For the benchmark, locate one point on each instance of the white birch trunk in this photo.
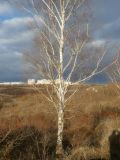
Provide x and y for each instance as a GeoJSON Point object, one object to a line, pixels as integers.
{"type": "Point", "coordinates": [59, 148]}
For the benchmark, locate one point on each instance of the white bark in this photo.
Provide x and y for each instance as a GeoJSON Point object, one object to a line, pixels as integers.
{"type": "Point", "coordinates": [59, 148]}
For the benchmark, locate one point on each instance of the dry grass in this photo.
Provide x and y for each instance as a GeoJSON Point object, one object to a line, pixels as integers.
{"type": "Point", "coordinates": [90, 117]}
{"type": "Point", "coordinates": [87, 153]}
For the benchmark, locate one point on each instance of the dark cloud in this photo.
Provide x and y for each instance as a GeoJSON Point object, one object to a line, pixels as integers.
{"type": "Point", "coordinates": [110, 30]}
{"type": "Point", "coordinates": [107, 15]}
{"type": "Point", "coordinates": [106, 11]}
{"type": "Point", "coordinates": [15, 36]}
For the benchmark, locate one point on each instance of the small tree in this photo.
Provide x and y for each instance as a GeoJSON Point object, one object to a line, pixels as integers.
{"type": "Point", "coordinates": [63, 51]}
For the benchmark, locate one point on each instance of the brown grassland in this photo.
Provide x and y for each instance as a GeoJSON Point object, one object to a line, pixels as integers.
{"type": "Point", "coordinates": [28, 123]}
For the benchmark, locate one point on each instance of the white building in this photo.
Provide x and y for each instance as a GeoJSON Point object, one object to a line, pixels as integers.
{"type": "Point", "coordinates": [43, 81]}
{"type": "Point", "coordinates": [57, 81]}
{"type": "Point", "coordinates": [5, 83]}
{"type": "Point", "coordinates": [12, 83]}
{"type": "Point", "coordinates": [31, 81]}
{"type": "Point", "coordinates": [16, 83]}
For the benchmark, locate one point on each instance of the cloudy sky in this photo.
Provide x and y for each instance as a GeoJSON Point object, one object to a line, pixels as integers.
{"type": "Point", "coordinates": [15, 36]}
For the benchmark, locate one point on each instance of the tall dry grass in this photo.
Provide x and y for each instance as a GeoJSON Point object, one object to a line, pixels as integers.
{"type": "Point", "coordinates": [90, 118]}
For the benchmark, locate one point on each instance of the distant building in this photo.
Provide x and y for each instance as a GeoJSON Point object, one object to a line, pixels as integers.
{"type": "Point", "coordinates": [12, 83]}
{"type": "Point", "coordinates": [16, 83]}
{"type": "Point", "coordinates": [43, 81]}
{"type": "Point", "coordinates": [57, 81]}
{"type": "Point", "coordinates": [31, 81]}
{"type": "Point", "coordinates": [5, 83]}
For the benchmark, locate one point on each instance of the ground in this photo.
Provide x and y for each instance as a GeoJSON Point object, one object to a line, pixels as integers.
{"type": "Point", "coordinates": [28, 119]}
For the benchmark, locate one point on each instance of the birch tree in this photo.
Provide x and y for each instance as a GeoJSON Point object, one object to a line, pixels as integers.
{"type": "Point", "coordinates": [62, 51]}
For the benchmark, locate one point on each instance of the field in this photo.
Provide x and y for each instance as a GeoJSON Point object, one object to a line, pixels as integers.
{"type": "Point", "coordinates": [28, 126]}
